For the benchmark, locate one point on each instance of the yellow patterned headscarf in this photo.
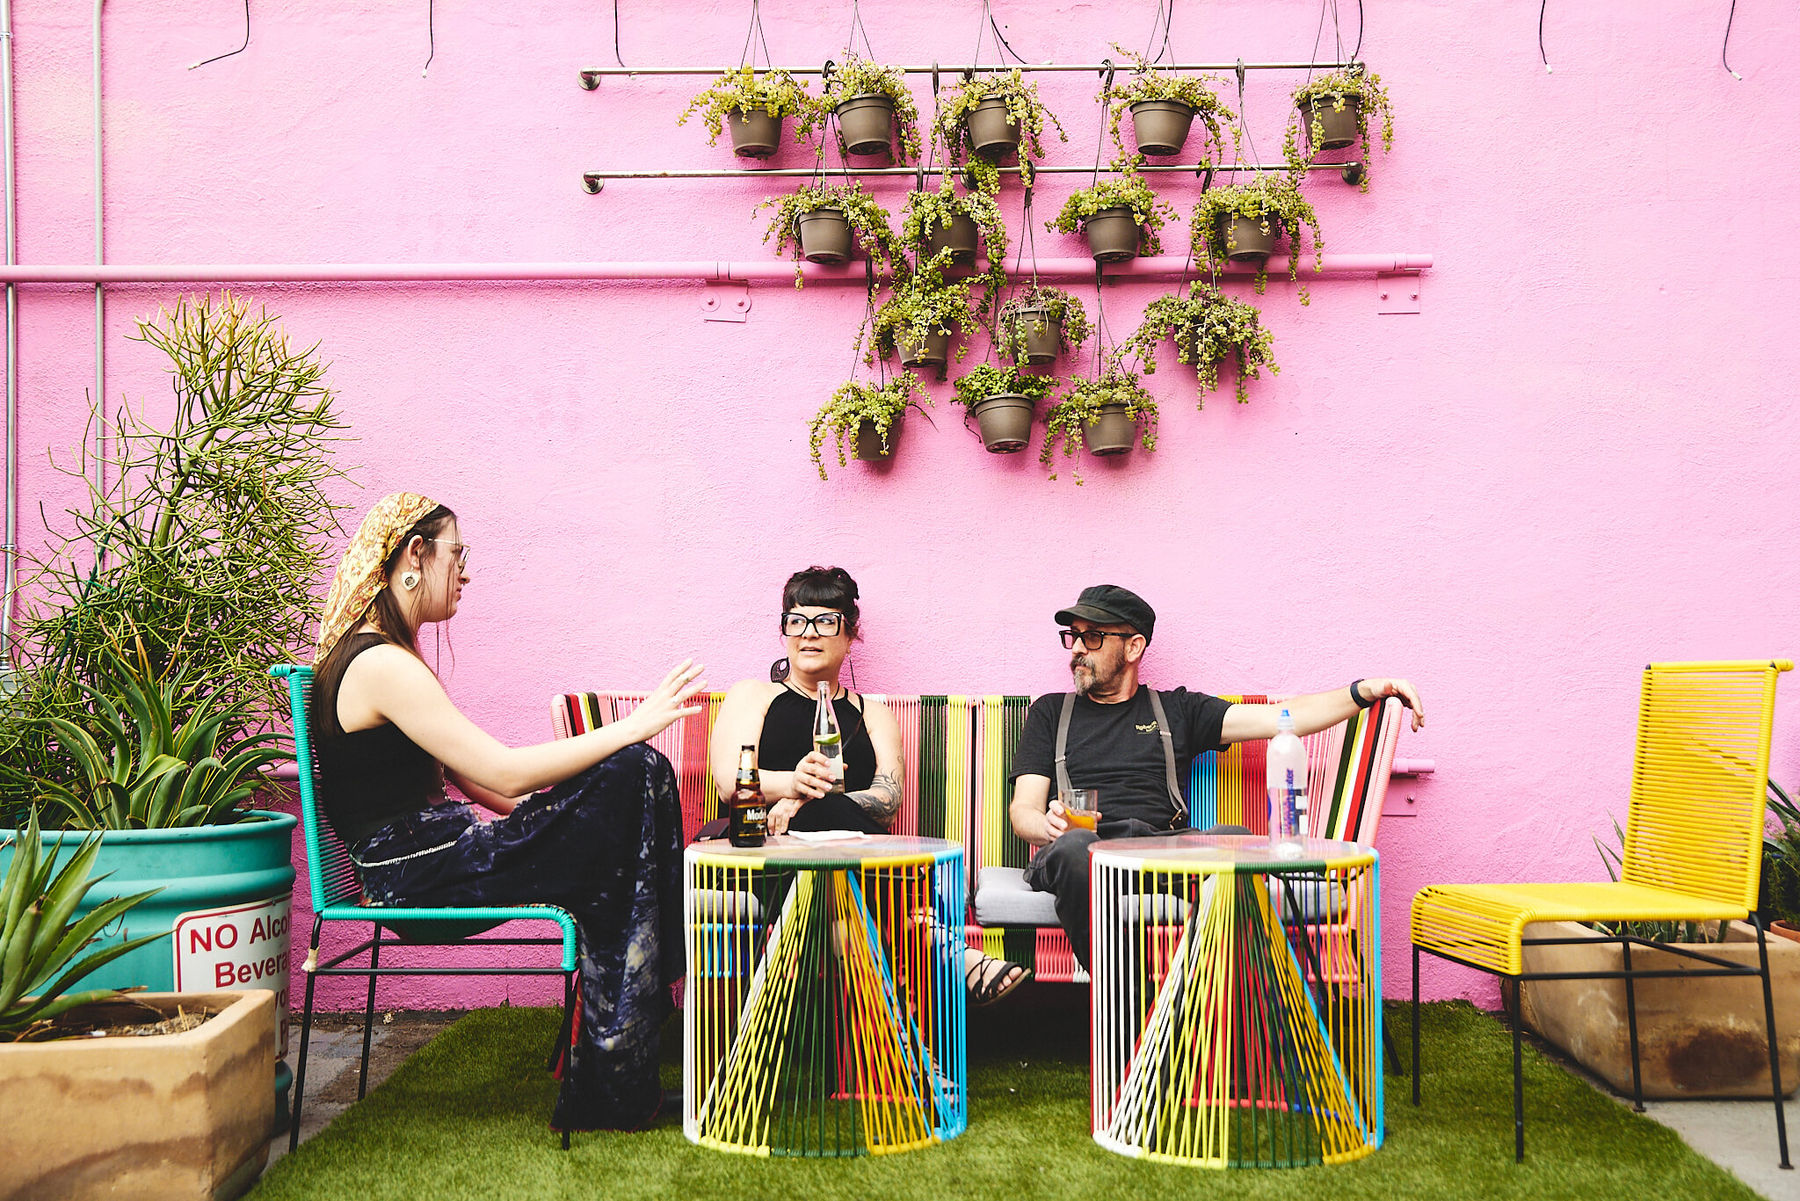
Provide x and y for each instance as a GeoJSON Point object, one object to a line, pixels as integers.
{"type": "Point", "coordinates": [359, 576]}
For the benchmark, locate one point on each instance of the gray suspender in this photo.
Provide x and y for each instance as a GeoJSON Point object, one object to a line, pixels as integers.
{"type": "Point", "coordinates": [1162, 728]}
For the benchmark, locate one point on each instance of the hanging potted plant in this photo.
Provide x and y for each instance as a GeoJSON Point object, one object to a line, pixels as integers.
{"type": "Point", "coordinates": [1040, 323]}
{"type": "Point", "coordinates": [820, 221]}
{"type": "Point", "coordinates": [1003, 401]}
{"type": "Point", "coordinates": [1244, 223]}
{"type": "Point", "coordinates": [920, 317]}
{"type": "Point", "coordinates": [1163, 108]}
{"type": "Point", "coordinates": [866, 417]}
{"type": "Point", "coordinates": [992, 116]}
{"type": "Point", "coordinates": [944, 229]}
{"type": "Point", "coordinates": [753, 104]}
{"type": "Point", "coordinates": [1119, 214]}
{"type": "Point", "coordinates": [873, 106]}
{"type": "Point", "coordinates": [1107, 415]}
{"type": "Point", "coordinates": [1333, 112]}
{"type": "Point", "coordinates": [1206, 326]}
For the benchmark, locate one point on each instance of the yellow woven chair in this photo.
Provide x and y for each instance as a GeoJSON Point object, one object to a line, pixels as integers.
{"type": "Point", "coordinates": [1693, 850]}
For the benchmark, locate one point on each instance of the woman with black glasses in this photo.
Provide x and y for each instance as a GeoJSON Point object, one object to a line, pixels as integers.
{"type": "Point", "coordinates": [819, 621]}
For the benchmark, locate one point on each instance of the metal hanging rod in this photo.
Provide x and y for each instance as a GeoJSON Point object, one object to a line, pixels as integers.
{"type": "Point", "coordinates": [591, 76]}
{"type": "Point", "coordinates": [593, 181]}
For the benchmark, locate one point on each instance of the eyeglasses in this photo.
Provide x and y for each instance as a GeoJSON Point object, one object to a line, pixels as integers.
{"type": "Point", "coordinates": [460, 548]}
{"type": "Point", "coordinates": [825, 625]}
{"type": "Point", "coordinates": [1092, 639]}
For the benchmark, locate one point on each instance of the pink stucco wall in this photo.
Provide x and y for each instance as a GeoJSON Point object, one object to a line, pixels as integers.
{"type": "Point", "coordinates": [1575, 458]}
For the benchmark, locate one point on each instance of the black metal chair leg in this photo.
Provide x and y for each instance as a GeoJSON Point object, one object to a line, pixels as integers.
{"type": "Point", "coordinates": [305, 1034]}
{"type": "Point", "coordinates": [362, 1082]}
{"type": "Point", "coordinates": [1762, 953]}
{"type": "Point", "coordinates": [1513, 1008]}
{"type": "Point", "coordinates": [570, 1034]}
{"type": "Point", "coordinates": [1415, 1025]}
{"type": "Point", "coordinates": [1637, 1080]}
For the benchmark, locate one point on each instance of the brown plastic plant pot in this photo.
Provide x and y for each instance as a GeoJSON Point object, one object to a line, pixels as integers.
{"type": "Point", "coordinates": [1161, 125]}
{"type": "Point", "coordinates": [1005, 419]}
{"type": "Point", "coordinates": [754, 134]}
{"type": "Point", "coordinates": [868, 442]}
{"type": "Point", "coordinates": [1252, 244]}
{"type": "Point", "coordinates": [824, 236]}
{"type": "Point", "coordinates": [1339, 125]}
{"type": "Point", "coordinates": [1112, 235]}
{"type": "Point", "coordinates": [1041, 333]}
{"type": "Point", "coordinates": [934, 351]}
{"type": "Point", "coordinates": [1113, 432]}
{"type": "Point", "coordinates": [992, 131]}
{"type": "Point", "coordinates": [961, 237]}
{"type": "Point", "coordinates": [866, 124]}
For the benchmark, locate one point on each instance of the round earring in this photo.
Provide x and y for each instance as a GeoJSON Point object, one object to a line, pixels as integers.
{"type": "Point", "coordinates": [410, 580]}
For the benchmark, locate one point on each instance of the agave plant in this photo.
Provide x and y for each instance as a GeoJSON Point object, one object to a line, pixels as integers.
{"type": "Point", "coordinates": [40, 947]}
{"type": "Point", "coordinates": [155, 751]}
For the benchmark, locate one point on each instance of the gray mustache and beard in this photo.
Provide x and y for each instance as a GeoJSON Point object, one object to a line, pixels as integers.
{"type": "Point", "coordinates": [1083, 683]}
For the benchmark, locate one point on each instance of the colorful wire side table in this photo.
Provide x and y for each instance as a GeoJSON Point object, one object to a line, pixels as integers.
{"type": "Point", "coordinates": [1236, 1001]}
{"type": "Point", "coordinates": [825, 1003]}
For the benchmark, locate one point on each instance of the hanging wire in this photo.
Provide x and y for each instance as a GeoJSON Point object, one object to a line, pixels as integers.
{"type": "Point", "coordinates": [1165, 17]}
{"type": "Point", "coordinates": [752, 35]}
{"type": "Point", "coordinates": [1000, 37]}
{"type": "Point", "coordinates": [1356, 54]}
{"type": "Point", "coordinates": [616, 57]}
{"type": "Point", "coordinates": [431, 35]}
{"type": "Point", "coordinates": [215, 58]}
{"type": "Point", "coordinates": [1545, 57]}
{"type": "Point", "coordinates": [1106, 83]}
{"type": "Point", "coordinates": [1727, 45]}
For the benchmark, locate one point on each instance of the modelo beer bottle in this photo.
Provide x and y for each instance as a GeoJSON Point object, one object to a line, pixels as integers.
{"type": "Point", "coordinates": [749, 824]}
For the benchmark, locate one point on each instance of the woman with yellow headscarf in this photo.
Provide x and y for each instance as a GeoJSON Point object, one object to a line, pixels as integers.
{"type": "Point", "coordinates": [590, 823]}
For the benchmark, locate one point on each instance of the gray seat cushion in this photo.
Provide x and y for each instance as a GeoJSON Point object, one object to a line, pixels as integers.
{"type": "Point", "coordinates": [715, 905]}
{"type": "Point", "coordinates": [1002, 898]}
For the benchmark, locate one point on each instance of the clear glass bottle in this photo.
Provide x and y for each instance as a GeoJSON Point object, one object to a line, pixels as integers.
{"type": "Point", "coordinates": [828, 740]}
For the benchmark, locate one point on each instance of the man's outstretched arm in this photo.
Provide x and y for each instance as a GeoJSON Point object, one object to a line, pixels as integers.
{"type": "Point", "coordinates": [1316, 711]}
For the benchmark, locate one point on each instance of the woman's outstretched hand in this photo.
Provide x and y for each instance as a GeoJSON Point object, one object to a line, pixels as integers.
{"type": "Point", "coordinates": [668, 701]}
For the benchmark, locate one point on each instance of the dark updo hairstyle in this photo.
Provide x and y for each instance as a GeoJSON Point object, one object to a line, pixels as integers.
{"type": "Point", "coordinates": [820, 588]}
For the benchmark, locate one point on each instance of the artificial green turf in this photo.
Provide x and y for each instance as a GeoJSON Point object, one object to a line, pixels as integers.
{"type": "Point", "coordinates": [465, 1118]}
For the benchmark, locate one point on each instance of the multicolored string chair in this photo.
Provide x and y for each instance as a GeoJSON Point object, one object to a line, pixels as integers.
{"type": "Point", "coordinates": [1693, 852]}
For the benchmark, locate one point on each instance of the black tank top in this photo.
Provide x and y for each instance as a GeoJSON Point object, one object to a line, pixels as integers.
{"type": "Point", "coordinates": [368, 778]}
{"type": "Point", "coordinates": [787, 737]}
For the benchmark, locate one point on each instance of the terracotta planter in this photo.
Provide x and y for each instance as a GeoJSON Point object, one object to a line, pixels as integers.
{"type": "Point", "coordinates": [1112, 235]}
{"type": "Point", "coordinates": [866, 124]}
{"type": "Point", "coordinates": [992, 131]}
{"type": "Point", "coordinates": [1005, 419]}
{"type": "Point", "coordinates": [868, 442]}
{"type": "Point", "coordinates": [1339, 125]}
{"type": "Point", "coordinates": [155, 1118]}
{"type": "Point", "coordinates": [1161, 125]}
{"type": "Point", "coordinates": [934, 351]}
{"type": "Point", "coordinates": [824, 236]}
{"type": "Point", "coordinates": [1041, 334]}
{"type": "Point", "coordinates": [1785, 929]}
{"type": "Point", "coordinates": [1113, 432]}
{"type": "Point", "coordinates": [961, 237]}
{"type": "Point", "coordinates": [1697, 1036]}
{"type": "Point", "coordinates": [1252, 244]}
{"type": "Point", "coordinates": [754, 134]}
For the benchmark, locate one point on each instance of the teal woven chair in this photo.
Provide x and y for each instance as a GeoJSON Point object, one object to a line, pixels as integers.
{"type": "Point", "coordinates": [337, 897]}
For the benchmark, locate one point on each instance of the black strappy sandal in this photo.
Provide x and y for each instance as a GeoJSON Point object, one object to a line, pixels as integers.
{"type": "Point", "coordinates": [985, 988]}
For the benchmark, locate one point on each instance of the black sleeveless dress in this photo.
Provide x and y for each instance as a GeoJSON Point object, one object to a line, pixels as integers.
{"type": "Point", "coordinates": [787, 738]}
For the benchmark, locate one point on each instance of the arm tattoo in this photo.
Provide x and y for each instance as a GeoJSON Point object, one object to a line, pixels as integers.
{"type": "Point", "coordinates": [881, 799]}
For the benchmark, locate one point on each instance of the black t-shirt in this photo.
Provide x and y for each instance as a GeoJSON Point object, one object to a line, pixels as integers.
{"type": "Point", "coordinates": [1118, 749]}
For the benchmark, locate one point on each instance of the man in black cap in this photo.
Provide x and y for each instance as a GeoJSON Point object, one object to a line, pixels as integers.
{"type": "Point", "coordinates": [1133, 744]}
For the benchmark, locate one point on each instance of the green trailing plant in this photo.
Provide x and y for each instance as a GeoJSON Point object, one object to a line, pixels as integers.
{"type": "Point", "coordinates": [1613, 856]}
{"type": "Point", "coordinates": [1023, 105]}
{"type": "Point", "coordinates": [1127, 190]}
{"type": "Point", "coordinates": [1070, 315]}
{"type": "Point", "coordinates": [41, 940]}
{"type": "Point", "coordinates": [930, 212]}
{"type": "Point", "coordinates": [1066, 424]}
{"type": "Point", "coordinates": [1355, 87]}
{"type": "Point", "coordinates": [857, 76]}
{"type": "Point", "coordinates": [1206, 327]}
{"type": "Point", "coordinates": [1780, 892]}
{"type": "Point", "coordinates": [869, 223]}
{"type": "Point", "coordinates": [155, 752]}
{"type": "Point", "coordinates": [920, 305]}
{"type": "Point", "coordinates": [208, 536]}
{"type": "Point", "coordinates": [987, 380]}
{"type": "Point", "coordinates": [1274, 203]}
{"type": "Point", "coordinates": [1147, 83]}
{"type": "Point", "coordinates": [745, 90]}
{"type": "Point", "coordinates": [857, 402]}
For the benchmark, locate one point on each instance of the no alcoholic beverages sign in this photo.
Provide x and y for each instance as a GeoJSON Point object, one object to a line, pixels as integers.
{"type": "Point", "coordinates": [237, 947]}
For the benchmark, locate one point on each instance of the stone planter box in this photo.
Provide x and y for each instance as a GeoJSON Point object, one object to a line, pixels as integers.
{"type": "Point", "coordinates": [1698, 1037]}
{"type": "Point", "coordinates": [164, 1117]}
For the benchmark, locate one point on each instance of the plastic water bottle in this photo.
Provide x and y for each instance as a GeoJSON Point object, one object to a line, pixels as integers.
{"type": "Point", "coordinates": [1287, 789]}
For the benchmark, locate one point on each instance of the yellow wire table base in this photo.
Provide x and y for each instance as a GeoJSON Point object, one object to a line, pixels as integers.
{"type": "Point", "coordinates": [1236, 1001]}
{"type": "Point", "coordinates": [825, 1002]}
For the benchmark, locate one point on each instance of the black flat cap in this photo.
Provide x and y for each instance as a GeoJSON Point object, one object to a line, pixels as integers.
{"type": "Point", "coordinates": [1109, 604]}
